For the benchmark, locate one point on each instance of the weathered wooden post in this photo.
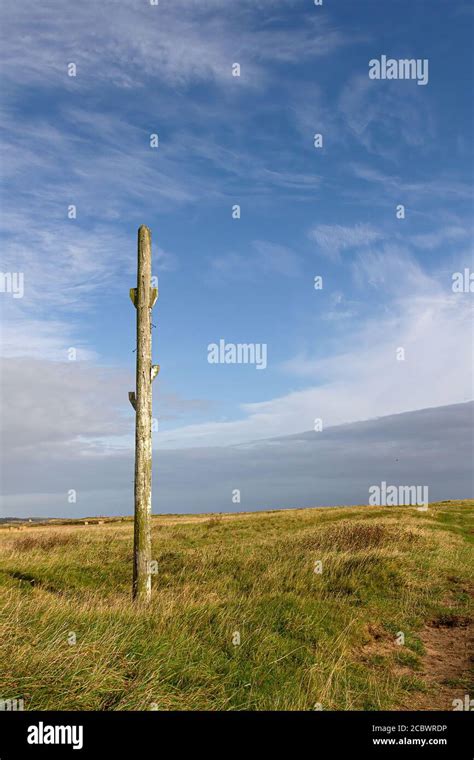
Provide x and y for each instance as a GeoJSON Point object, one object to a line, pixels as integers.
{"type": "Point", "coordinates": [143, 298]}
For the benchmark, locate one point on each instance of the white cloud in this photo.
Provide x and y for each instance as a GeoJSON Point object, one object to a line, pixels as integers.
{"type": "Point", "coordinates": [176, 43]}
{"type": "Point", "coordinates": [51, 407]}
{"type": "Point", "coordinates": [362, 378]}
{"type": "Point", "coordinates": [266, 257]}
{"type": "Point", "coordinates": [431, 240]}
{"type": "Point", "coordinates": [336, 466]}
{"type": "Point", "coordinates": [21, 336]}
{"type": "Point", "coordinates": [443, 187]}
{"type": "Point", "coordinates": [382, 117]}
{"type": "Point", "coordinates": [332, 240]}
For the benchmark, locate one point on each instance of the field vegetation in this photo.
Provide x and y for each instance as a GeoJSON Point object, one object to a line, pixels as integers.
{"type": "Point", "coordinates": [354, 608]}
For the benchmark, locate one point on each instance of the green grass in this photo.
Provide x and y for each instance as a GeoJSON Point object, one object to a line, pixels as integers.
{"type": "Point", "coordinates": [306, 638]}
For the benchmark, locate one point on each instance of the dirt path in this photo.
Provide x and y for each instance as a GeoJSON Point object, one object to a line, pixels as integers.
{"type": "Point", "coordinates": [447, 664]}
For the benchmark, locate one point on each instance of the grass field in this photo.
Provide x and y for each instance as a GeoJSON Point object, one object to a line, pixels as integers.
{"type": "Point", "coordinates": [308, 640]}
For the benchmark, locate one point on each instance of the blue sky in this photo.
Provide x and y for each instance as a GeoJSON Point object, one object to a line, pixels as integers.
{"type": "Point", "coordinates": [305, 211]}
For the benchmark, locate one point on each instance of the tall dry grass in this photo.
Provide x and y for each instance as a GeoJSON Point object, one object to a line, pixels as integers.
{"type": "Point", "coordinates": [71, 639]}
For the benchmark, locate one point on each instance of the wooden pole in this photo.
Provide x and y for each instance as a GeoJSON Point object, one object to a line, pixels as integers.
{"type": "Point", "coordinates": [143, 298]}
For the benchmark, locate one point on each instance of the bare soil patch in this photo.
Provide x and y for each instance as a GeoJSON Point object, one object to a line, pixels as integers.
{"type": "Point", "coordinates": [447, 663]}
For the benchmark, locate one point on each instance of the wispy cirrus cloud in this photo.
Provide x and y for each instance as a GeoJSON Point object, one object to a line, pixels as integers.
{"type": "Point", "coordinates": [84, 140]}
{"type": "Point", "coordinates": [441, 187]}
{"type": "Point", "coordinates": [265, 258]}
{"type": "Point", "coordinates": [176, 44]}
{"type": "Point", "coordinates": [384, 118]}
{"type": "Point", "coordinates": [434, 239]}
{"type": "Point", "coordinates": [334, 239]}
